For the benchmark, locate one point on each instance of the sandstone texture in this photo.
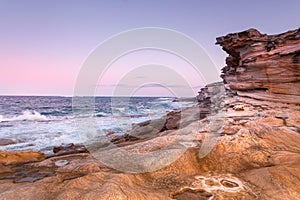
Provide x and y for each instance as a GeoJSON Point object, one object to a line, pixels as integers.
{"type": "Point", "coordinates": [240, 142]}
{"type": "Point", "coordinates": [263, 66]}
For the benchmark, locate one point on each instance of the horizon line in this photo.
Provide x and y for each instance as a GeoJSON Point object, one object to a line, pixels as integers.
{"type": "Point", "coordinates": [70, 96]}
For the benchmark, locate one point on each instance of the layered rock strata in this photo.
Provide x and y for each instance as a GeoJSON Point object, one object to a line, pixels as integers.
{"type": "Point", "coordinates": [263, 66]}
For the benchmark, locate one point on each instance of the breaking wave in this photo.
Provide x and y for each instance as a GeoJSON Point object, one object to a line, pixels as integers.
{"type": "Point", "coordinates": [26, 115]}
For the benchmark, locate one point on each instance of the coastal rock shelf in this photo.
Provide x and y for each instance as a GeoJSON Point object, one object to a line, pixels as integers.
{"type": "Point", "coordinates": [253, 123]}
{"type": "Point", "coordinates": [263, 66]}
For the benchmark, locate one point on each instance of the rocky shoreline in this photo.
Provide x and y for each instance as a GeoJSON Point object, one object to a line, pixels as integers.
{"type": "Point", "coordinates": [256, 154]}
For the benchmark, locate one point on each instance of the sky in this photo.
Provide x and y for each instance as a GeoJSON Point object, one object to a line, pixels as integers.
{"type": "Point", "coordinates": [44, 44]}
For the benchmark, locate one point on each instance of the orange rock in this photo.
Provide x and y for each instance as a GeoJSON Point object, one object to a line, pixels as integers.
{"type": "Point", "coordinates": [5, 170]}
{"type": "Point", "coordinates": [8, 158]}
{"type": "Point", "coordinates": [263, 66]}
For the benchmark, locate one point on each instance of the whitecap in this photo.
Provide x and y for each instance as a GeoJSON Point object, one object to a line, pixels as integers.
{"type": "Point", "coordinates": [26, 115]}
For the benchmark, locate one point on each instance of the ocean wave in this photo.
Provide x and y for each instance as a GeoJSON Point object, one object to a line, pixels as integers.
{"type": "Point", "coordinates": [165, 98]}
{"type": "Point", "coordinates": [26, 115]}
{"type": "Point", "coordinates": [101, 114]}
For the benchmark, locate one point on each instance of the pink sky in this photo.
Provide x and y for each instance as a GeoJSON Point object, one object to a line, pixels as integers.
{"type": "Point", "coordinates": [37, 76]}
{"type": "Point", "coordinates": [44, 43]}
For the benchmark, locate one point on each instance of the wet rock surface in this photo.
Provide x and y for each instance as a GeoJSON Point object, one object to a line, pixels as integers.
{"type": "Point", "coordinates": [69, 149]}
{"type": "Point", "coordinates": [240, 144]}
{"type": "Point", "coordinates": [4, 142]}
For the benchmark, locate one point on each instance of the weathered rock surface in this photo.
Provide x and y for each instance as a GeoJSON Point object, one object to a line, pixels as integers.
{"type": "Point", "coordinates": [263, 151]}
{"type": "Point", "coordinates": [241, 144]}
{"type": "Point", "coordinates": [8, 158]}
{"type": "Point", "coordinates": [267, 67]}
{"type": "Point", "coordinates": [4, 142]}
{"type": "Point", "coordinates": [69, 149]}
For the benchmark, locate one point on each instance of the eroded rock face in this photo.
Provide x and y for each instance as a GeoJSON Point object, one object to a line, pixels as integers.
{"type": "Point", "coordinates": [263, 66]}
{"type": "Point", "coordinates": [260, 148]}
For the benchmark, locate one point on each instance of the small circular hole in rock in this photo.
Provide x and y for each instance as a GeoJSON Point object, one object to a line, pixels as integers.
{"type": "Point", "coordinates": [229, 184]}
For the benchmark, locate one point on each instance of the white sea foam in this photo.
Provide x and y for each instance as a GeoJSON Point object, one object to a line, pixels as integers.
{"type": "Point", "coordinates": [165, 98]}
{"type": "Point", "coordinates": [26, 115]}
{"type": "Point", "coordinates": [65, 127]}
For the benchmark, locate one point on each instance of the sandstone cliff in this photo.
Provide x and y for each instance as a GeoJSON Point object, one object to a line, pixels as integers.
{"type": "Point", "coordinates": [263, 66]}
{"type": "Point", "coordinates": [255, 127]}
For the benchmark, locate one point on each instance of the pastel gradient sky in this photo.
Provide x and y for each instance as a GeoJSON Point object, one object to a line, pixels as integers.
{"type": "Point", "coordinates": [44, 43]}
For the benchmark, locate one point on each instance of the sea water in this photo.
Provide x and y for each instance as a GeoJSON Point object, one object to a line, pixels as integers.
{"type": "Point", "coordinates": [39, 123]}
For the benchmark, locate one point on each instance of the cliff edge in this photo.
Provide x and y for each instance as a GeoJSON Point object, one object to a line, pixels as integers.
{"type": "Point", "coordinates": [265, 67]}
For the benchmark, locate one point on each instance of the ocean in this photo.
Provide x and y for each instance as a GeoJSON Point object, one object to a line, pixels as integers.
{"type": "Point", "coordinates": [39, 123]}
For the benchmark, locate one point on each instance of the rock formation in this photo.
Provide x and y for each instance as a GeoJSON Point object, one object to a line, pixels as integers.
{"type": "Point", "coordinates": [263, 66]}
{"type": "Point", "coordinates": [255, 126]}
